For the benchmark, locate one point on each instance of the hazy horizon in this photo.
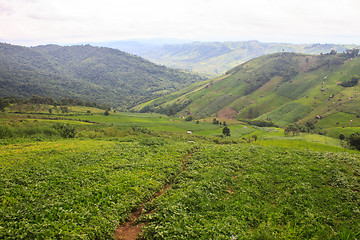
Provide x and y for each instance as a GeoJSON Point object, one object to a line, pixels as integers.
{"type": "Point", "coordinates": [37, 22]}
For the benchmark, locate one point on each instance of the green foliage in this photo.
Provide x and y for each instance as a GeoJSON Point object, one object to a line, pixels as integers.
{"type": "Point", "coordinates": [85, 187]}
{"type": "Point", "coordinates": [154, 141]}
{"type": "Point", "coordinates": [65, 130]}
{"type": "Point", "coordinates": [26, 130]}
{"type": "Point", "coordinates": [5, 132]}
{"type": "Point", "coordinates": [341, 136]}
{"type": "Point", "coordinates": [283, 88]}
{"type": "Point", "coordinates": [215, 121]}
{"type": "Point", "coordinates": [251, 192]}
{"type": "Point", "coordinates": [226, 131]}
{"type": "Point", "coordinates": [351, 83]}
{"type": "Point", "coordinates": [293, 129]}
{"type": "Point", "coordinates": [3, 104]}
{"type": "Point", "coordinates": [79, 189]}
{"type": "Point", "coordinates": [105, 75]}
{"type": "Point", "coordinates": [189, 118]}
{"type": "Point", "coordinates": [354, 140]}
{"type": "Point", "coordinates": [259, 122]}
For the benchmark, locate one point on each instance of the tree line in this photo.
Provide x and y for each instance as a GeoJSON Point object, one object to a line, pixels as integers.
{"type": "Point", "coordinates": [37, 100]}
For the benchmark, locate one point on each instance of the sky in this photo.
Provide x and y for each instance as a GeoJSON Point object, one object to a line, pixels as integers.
{"type": "Point", "coordinates": [36, 22]}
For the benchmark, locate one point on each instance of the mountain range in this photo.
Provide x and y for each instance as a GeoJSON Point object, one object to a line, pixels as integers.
{"type": "Point", "coordinates": [86, 72]}
{"type": "Point", "coordinates": [215, 58]}
{"type": "Point", "coordinates": [282, 88]}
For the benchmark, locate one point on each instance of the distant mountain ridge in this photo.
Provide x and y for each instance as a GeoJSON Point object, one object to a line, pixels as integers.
{"type": "Point", "coordinates": [215, 58]}
{"type": "Point", "coordinates": [90, 73]}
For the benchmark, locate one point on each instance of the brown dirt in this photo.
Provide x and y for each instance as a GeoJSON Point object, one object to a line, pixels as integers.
{"type": "Point", "coordinates": [227, 113]}
{"type": "Point", "coordinates": [129, 230]}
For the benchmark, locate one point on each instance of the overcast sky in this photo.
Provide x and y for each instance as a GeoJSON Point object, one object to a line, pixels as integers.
{"type": "Point", "coordinates": [34, 22]}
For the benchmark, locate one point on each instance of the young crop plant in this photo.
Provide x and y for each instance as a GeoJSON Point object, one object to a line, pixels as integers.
{"type": "Point", "coordinates": [80, 189]}
{"type": "Point", "coordinates": [253, 192]}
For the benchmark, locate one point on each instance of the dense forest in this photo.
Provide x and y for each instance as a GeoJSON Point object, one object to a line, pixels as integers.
{"type": "Point", "coordinates": [104, 75]}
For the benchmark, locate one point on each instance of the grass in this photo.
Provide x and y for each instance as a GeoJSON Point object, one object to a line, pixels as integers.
{"type": "Point", "coordinates": [300, 187]}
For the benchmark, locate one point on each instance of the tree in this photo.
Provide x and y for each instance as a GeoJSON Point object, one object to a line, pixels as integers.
{"type": "Point", "coordinates": [189, 118]}
{"type": "Point", "coordinates": [215, 121]}
{"type": "Point", "coordinates": [65, 130]}
{"type": "Point", "coordinates": [352, 52]}
{"type": "Point", "coordinates": [226, 131]}
{"type": "Point", "coordinates": [64, 109]}
{"type": "Point", "coordinates": [106, 113]}
{"type": "Point", "coordinates": [354, 140]}
{"type": "Point", "coordinates": [292, 128]}
{"type": "Point", "coordinates": [3, 105]}
{"type": "Point", "coordinates": [341, 136]}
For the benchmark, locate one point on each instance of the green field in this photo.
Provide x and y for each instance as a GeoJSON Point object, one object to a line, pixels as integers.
{"type": "Point", "coordinates": [256, 184]}
{"type": "Point", "coordinates": [252, 192]}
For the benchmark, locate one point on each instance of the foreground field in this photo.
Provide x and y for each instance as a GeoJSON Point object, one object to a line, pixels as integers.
{"type": "Point", "coordinates": [252, 192]}
{"type": "Point", "coordinates": [80, 189]}
{"type": "Point", "coordinates": [238, 187]}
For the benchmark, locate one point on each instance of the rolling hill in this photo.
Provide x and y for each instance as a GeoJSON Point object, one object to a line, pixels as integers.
{"type": "Point", "coordinates": [104, 75]}
{"type": "Point", "coordinates": [283, 88]}
{"type": "Point", "coordinates": [214, 58]}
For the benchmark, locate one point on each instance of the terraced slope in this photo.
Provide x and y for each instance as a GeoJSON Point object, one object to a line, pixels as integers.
{"type": "Point", "coordinates": [282, 87]}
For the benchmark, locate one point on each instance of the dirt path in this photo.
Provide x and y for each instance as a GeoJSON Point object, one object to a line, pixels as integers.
{"type": "Point", "coordinates": [129, 230]}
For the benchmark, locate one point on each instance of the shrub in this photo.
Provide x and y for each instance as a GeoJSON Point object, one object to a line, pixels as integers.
{"type": "Point", "coordinates": [5, 132]}
{"type": "Point", "coordinates": [152, 142]}
{"type": "Point", "coordinates": [226, 131]}
{"type": "Point", "coordinates": [341, 136]}
{"type": "Point", "coordinates": [259, 123]}
{"type": "Point", "coordinates": [189, 118]}
{"type": "Point", "coordinates": [351, 83]}
{"type": "Point", "coordinates": [354, 140]}
{"type": "Point", "coordinates": [65, 130]}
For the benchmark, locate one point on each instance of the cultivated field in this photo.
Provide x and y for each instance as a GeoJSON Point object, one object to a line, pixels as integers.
{"type": "Point", "coordinates": [82, 175]}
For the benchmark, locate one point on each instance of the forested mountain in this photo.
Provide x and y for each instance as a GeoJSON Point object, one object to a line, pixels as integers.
{"type": "Point", "coordinates": [282, 87]}
{"type": "Point", "coordinates": [215, 58]}
{"type": "Point", "coordinates": [89, 73]}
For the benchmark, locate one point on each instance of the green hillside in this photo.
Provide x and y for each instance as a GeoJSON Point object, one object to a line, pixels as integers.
{"type": "Point", "coordinates": [214, 58]}
{"type": "Point", "coordinates": [283, 88]}
{"type": "Point", "coordinates": [90, 73]}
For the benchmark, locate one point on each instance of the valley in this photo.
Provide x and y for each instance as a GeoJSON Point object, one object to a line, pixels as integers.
{"type": "Point", "coordinates": [94, 141]}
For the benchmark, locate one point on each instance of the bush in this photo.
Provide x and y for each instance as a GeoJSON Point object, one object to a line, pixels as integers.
{"type": "Point", "coordinates": [152, 142]}
{"type": "Point", "coordinates": [189, 118]}
{"type": "Point", "coordinates": [351, 83]}
{"type": "Point", "coordinates": [65, 130]}
{"type": "Point", "coordinates": [259, 123]}
{"type": "Point", "coordinates": [354, 141]}
{"type": "Point", "coordinates": [226, 131]}
{"type": "Point", "coordinates": [5, 132]}
{"type": "Point", "coordinates": [341, 136]}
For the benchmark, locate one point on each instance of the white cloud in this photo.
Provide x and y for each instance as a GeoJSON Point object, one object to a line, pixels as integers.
{"type": "Point", "coordinates": [69, 21]}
